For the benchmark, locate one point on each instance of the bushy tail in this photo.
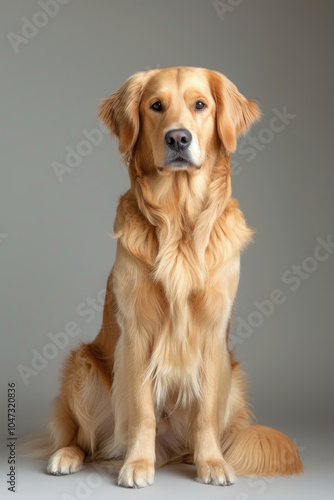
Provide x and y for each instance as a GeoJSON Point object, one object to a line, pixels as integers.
{"type": "Point", "coordinates": [262, 451]}
{"type": "Point", "coordinates": [36, 445]}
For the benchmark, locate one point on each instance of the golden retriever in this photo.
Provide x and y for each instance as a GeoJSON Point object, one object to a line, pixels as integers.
{"type": "Point", "coordinates": [158, 384]}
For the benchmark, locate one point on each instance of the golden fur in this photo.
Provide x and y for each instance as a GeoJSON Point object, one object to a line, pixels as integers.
{"type": "Point", "coordinates": [158, 383]}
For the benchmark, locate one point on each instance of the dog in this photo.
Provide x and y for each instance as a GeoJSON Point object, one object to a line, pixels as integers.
{"type": "Point", "coordinates": [159, 384]}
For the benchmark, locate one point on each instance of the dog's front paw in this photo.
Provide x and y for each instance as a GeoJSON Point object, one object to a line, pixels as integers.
{"type": "Point", "coordinates": [137, 474]}
{"type": "Point", "coordinates": [66, 461]}
{"type": "Point", "coordinates": [215, 471]}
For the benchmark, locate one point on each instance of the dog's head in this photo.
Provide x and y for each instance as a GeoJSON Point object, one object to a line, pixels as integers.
{"type": "Point", "coordinates": [178, 118]}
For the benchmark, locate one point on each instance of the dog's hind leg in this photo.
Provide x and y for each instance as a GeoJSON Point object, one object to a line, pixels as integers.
{"type": "Point", "coordinates": [76, 416]}
{"type": "Point", "coordinates": [68, 457]}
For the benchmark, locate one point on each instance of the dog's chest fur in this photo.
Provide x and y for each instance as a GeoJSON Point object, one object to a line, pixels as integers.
{"type": "Point", "coordinates": [184, 294]}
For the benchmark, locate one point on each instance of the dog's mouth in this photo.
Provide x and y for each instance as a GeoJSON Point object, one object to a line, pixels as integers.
{"type": "Point", "coordinates": [178, 163]}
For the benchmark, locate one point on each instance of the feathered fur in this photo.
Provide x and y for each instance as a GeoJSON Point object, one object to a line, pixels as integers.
{"type": "Point", "coordinates": [158, 383]}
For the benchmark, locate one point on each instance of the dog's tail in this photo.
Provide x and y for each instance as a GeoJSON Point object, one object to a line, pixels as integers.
{"type": "Point", "coordinates": [262, 451]}
{"type": "Point", "coordinates": [38, 445]}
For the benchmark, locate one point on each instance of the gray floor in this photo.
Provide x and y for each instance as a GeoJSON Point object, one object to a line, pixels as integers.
{"type": "Point", "coordinates": [178, 481]}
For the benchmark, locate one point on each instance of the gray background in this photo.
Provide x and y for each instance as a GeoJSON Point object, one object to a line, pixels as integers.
{"type": "Point", "coordinates": [56, 251]}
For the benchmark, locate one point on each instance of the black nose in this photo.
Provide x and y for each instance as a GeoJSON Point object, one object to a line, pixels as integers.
{"type": "Point", "coordinates": [178, 139]}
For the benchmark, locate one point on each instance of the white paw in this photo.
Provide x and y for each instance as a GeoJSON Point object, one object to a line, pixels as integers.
{"type": "Point", "coordinates": [216, 472]}
{"type": "Point", "coordinates": [66, 461]}
{"type": "Point", "coordinates": [136, 474]}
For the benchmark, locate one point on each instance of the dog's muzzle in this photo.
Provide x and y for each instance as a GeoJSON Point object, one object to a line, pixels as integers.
{"type": "Point", "coordinates": [177, 143]}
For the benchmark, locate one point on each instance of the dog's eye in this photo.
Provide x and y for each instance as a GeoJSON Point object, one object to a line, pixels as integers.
{"type": "Point", "coordinates": [157, 106]}
{"type": "Point", "coordinates": [200, 105]}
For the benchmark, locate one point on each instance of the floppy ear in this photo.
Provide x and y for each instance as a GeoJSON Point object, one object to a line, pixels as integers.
{"type": "Point", "coordinates": [235, 113]}
{"type": "Point", "coordinates": [120, 111]}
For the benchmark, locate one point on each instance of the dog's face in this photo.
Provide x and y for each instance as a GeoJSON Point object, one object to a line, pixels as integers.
{"type": "Point", "coordinates": [177, 114]}
{"type": "Point", "coordinates": [177, 118]}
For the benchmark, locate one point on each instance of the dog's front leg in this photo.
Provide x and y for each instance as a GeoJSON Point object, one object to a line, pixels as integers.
{"type": "Point", "coordinates": [209, 412]}
{"type": "Point", "coordinates": [138, 468]}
